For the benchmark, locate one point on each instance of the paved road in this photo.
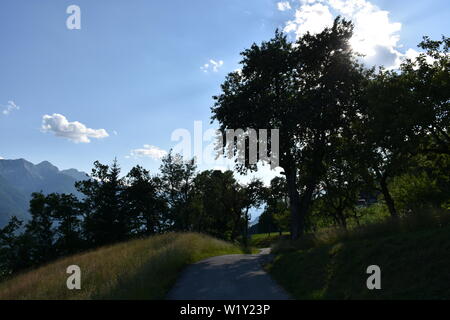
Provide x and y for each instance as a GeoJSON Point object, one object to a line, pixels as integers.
{"type": "Point", "coordinates": [229, 277]}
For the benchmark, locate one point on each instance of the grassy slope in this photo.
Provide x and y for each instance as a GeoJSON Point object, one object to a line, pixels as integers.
{"type": "Point", "coordinates": [414, 265]}
{"type": "Point", "coordinates": [139, 269]}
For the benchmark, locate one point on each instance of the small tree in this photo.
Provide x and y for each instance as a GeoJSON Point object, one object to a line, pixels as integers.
{"type": "Point", "coordinates": [144, 202]}
{"type": "Point", "coordinates": [9, 248]}
{"type": "Point", "coordinates": [252, 198]}
{"type": "Point", "coordinates": [41, 230]}
{"type": "Point", "coordinates": [105, 220]}
{"type": "Point", "coordinates": [177, 178]}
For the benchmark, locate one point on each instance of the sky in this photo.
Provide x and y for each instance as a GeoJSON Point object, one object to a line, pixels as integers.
{"type": "Point", "coordinates": [137, 71]}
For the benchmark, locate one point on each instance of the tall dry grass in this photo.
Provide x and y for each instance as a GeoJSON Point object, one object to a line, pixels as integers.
{"type": "Point", "coordinates": [138, 269]}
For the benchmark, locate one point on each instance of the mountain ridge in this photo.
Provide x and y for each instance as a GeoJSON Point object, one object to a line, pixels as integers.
{"type": "Point", "coordinates": [19, 178]}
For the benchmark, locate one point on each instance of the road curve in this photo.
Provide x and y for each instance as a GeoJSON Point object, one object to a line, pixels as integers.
{"type": "Point", "coordinates": [229, 277]}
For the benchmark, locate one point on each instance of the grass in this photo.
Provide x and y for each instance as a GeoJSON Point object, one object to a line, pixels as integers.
{"type": "Point", "coordinates": [138, 269]}
{"type": "Point", "coordinates": [413, 254]}
{"type": "Point", "coordinates": [265, 240]}
{"type": "Point", "coordinates": [430, 219]}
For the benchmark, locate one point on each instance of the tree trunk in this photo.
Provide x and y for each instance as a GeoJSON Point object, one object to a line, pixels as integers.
{"type": "Point", "coordinates": [246, 228]}
{"type": "Point", "coordinates": [356, 218]}
{"type": "Point", "coordinates": [387, 197]}
{"type": "Point", "coordinates": [343, 220]}
{"type": "Point", "coordinates": [305, 204]}
{"type": "Point", "coordinates": [294, 203]}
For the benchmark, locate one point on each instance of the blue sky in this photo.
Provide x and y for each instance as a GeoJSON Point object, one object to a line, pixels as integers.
{"type": "Point", "coordinates": [136, 70]}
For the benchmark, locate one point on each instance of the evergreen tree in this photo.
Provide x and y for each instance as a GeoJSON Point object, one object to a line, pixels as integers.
{"type": "Point", "coordinates": [144, 202]}
{"type": "Point", "coordinates": [105, 220]}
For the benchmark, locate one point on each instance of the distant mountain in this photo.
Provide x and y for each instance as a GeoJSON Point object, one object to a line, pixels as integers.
{"type": "Point", "coordinates": [77, 175]}
{"type": "Point", "coordinates": [19, 178]}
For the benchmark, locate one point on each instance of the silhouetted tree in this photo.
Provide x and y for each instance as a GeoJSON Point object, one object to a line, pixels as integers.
{"type": "Point", "coordinates": [428, 80]}
{"type": "Point", "coordinates": [276, 212]}
{"type": "Point", "coordinates": [176, 177]}
{"type": "Point", "coordinates": [252, 197]}
{"type": "Point", "coordinates": [10, 259]}
{"type": "Point", "coordinates": [105, 220]}
{"type": "Point", "coordinates": [41, 230]}
{"type": "Point", "coordinates": [66, 213]}
{"type": "Point", "coordinates": [144, 202]}
{"type": "Point", "coordinates": [218, 204]}
{"type": "Point", "coordinates": [308, 90]}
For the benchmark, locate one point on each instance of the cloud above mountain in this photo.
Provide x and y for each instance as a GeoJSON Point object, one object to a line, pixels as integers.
{"type": "Point", "coordinates": [74, 131]}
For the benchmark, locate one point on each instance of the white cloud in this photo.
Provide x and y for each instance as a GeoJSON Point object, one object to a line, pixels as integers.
{"type": "Point", "coordinates": [375, 36]}
{"type": "Point", "coordinates": [11, 106]}
{"type": "Point", "coordinates": [1, 158]}
{"type": "Point", "coordinates": [212, 65]}
{"type": "Point", "coordinates": [283, 6]}
{"type": "Point", "coordinates": [149, 151]}
{"type": "Point", "coordinates": [412, 55]}
{"type": "Point", "coordinates": [310, 17]}
{"type": "Point", "coordinates": [265, 173]}
{"type": "Point", "coordinates": [74, 131]}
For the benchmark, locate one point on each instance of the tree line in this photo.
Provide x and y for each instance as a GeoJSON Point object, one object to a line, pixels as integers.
{"type": "Point", "coordinates": [115, 208]}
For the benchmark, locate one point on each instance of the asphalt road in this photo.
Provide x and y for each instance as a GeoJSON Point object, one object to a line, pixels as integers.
{"type": "Point", "coordinates": [229, 277]}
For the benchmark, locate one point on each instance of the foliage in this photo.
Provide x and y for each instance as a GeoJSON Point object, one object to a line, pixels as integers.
{"type": "Point", "coordinates": [310, 90]}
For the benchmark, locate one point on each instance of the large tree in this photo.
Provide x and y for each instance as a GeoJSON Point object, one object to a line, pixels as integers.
{"type": "Point", "coordinates": [428, 82]}
{"type": "Point", "coordinates": [384, 129]}
{"type": "Point", "coordinates": [343, 182]}
{"type": "Point", "coordinates": [406, 113]}
{"type": "Point", "coordinates": [308, 90]}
